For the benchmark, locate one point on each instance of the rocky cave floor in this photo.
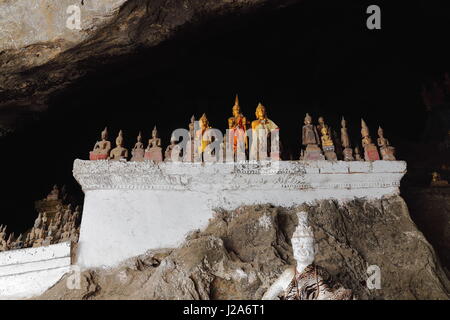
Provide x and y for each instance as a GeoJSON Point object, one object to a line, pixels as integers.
{"type": "Point", "coordinates": [241, 253]}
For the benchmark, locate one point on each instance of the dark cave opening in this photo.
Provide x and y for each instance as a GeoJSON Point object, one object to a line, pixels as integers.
{"type": "Point", "coordinates": [315, 57]}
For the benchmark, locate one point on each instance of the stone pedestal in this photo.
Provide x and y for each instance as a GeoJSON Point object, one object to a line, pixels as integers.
{"type": "Point", "coordinates": [329, 153]}
{"type": "Point", "coordinates": [387, 153]}
{"type": "Point", "coordinates": [371, 153]}
{"type": "Point", "coordinates": [94, 156]}
{"type": "Point", "coordinates": [313, 152]}
{"type": "Point", "coordinates": [348, 154]}
{"type": "Point", "coordinates": [137, 155]}
{"type": "Point", "coordinates": [154, 154]}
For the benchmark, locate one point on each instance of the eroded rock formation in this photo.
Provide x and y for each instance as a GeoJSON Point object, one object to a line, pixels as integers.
{"type": "Point", "coordinates": [241, 253]}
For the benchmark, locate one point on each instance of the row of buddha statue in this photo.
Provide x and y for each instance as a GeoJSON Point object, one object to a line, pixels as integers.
{"type": "Point", "coordinates": [318, 142]}
{"type": "Point", "coordinates": [63, 226]}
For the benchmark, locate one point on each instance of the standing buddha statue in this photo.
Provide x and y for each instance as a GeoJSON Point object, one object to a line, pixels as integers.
{"type": "Point", "coordinates": [119, 152]}
{"type": "Point", "coordinates": [101, 148]}
{"type": "Point", "coordinates": [310, 139]}
{"type": "Point", "coordinates": [263, 129]}
{"type": "Point", "coordinates": [386, 150]}
{"type": "Point", "coordinates": [345, 140]}
{"type": "Point", "coordinates": [137, 152]}
{"type": "Point", "coordinates": [237, 125]}
{"type": "Point", "coordinates": [154, 151]}
{"type": "Point", "coordinates": [370, 150]}
{"type": "Point", "coordinates": [202, 137]}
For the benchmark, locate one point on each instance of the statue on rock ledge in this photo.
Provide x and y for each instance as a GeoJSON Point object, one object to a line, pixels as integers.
{"type": "Point", "coordinates": [173, 151]}
{"type": "Point", "coordinates": [345, 140]}
{"type": "Point", "coordinates": [119, 152]}
{"type": "Point", "coordinates": [137, 153]}
{"type": "Point", "coordinates": [154, 150]}
{"type": "Point", "coordinates": [265, 137]}
{"type": "Point", "coordinates": [54, 194]}
{"type": "Point", "coordinates": [202, 137]}
{"type": "Point", "coordinates": [310, 139]}
{"type": "Point", "coordinates": [370, 150]}
{"type": "Point", "coordinates": [327, 144]}
{"type": "Point", "coordinates": [386, 150]}
{"type": "Point", "coordinates": [305, 281]}
{"type": "Point", "coordinates": [101, 148]}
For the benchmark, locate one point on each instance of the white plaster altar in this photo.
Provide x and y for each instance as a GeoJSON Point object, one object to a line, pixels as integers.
{"type": "Point", "coordinates": [131, 207]}
{"type": "Point", "coordinates": [25, 273]}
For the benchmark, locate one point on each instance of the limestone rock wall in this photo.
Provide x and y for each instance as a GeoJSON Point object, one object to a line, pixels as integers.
{"type": "Point", "coordinates": [243, 251]}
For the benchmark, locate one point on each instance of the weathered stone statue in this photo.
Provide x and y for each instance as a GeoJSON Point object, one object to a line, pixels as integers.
{"type": "Point", "coordinates": [327, 144]}
{"type": "Point", "coordinates": [237, 125]}
{"type": "Point", "coordinates": [101, 148]}
{"type": "Point", "coordinates": [305, 281]}
{"type": "Point", "coordinates": [54, 194]}
{"type": "Point", "coordinates": [310, 139]}
{"type": "Point", "coordinates": [345, 140]}
{"type": "Point", "coordinates": [154, 150]}
{"type": "Point", "coordinates": [119, 152]}
{"type": "Point", "coordinates": [137, 153]}
{"type": "Point", "coordinates": [386, 150]}
{"type": "Point", "coordinates": [265, 137]}
{"type": "Point", "coordinates": [173, 151]}
{"type": "Point", "coordinates": [370, 150]}
{"type": "Point", "coordinates": [358, 155]}
{"type": "Point", "coordinates": [202, 137]}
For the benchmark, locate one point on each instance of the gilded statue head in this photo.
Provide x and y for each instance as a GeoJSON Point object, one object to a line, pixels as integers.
{"type": "Point", "coordinates": [204, 122]}
{"type": "Point", "coordinates": [308, 119]}
{"type": "Point", "coordinates": [139, 137]}
{"type": "Point", "coordinates": [236, 108]}
{"type": "Point", "coordinates": [343, 123]}
{"type": "Point", "coordinates": [119, 139]}
{"type": "Point", "coordinates": [324, 131]}
{"type": "Point", "coordinates": [154, 132]}
{"type": "Point", "coordinates": [321, 120]}
{"type": "Point", "coordinates": [260, 112]}
{"type": "Point", "coordinates": [105, 134]}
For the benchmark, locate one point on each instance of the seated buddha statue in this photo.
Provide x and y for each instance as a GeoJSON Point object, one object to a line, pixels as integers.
{"type": "Point", "coordinates": [305, 280]}
{"type": "Point", "coordinates": [262, 147]}
{"type": "Point", "coordinates": [173, 152]}
{"type": "Point", "coordinates": [137, 153]}
{"type": "Point", "coordinates": [154, 150]}
{"type": "Point", "coordinates": [327, 144]}
{"type": "Point", "coordinates": [237, 125]}
{"type": "Point", "coordinates": [101, 148]}
{"type": "Point", "coordinates": [386, 150]}
{"type": "Point", "coordinates": [119, 152]}
{"type": "Point", "coordinates": [310, 139]}
{"type": "Point", "coordinates": [370, 150]}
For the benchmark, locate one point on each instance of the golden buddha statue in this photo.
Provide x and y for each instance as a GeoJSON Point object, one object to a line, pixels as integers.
{"type": "Point", "coordinates": [386, 150]}
{"type": "Point", "coordinates": [262, 129]}
{"type": "Point", "coordinates": [154, 150]}
{"type": "Point", "coordinates": [201, 135]}
{"type": "Point", "coordinates": [119, 152]}
{"type": "Point", "coordinates": [137, 152]}
{"type": "Point", "coordinates": [345, 141]}
{"type": "Point", "coordinates": [370, 150]}
{"type": "Point", "coordinates": [101, 148]}
{"type": "Point", "coordinates": [237, 125]}
{"type": "Point", "coordinates": [327, 144]}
